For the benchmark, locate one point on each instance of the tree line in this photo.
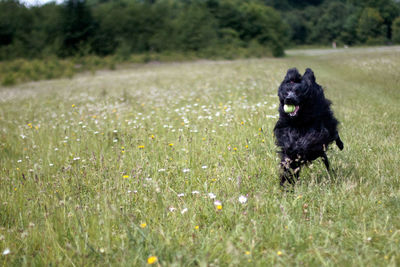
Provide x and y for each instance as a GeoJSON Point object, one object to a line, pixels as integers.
{"type": "Point", "coordinates": [124, 27]}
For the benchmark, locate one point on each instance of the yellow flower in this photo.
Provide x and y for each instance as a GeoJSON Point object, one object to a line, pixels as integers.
{"type": "Point", "coordinates": [143, 225]}
{"type": "Point", "coordinates": [152, 136]}
{"type": "Point", "coordinates": [219, 207]}
{"type": "Point", "coordinates": [125, 176]}
{"type": "Point", "coordinates": [247, 252]}
{"type": "Point", "coordinates": [73, 105]}
{"type": "Point", "coordinates": [242, 123]}
{"type": "Point", "coordinates": [247, 146]}
{"type": "Point", "coordinates": [235, 148]}
{"type": "Point", "coordinates": [171, 144]}
{"type": "Point", "coordinates": [30, 125]}
{"type": "Point", "coordinates": [152, 259]}
{"type": "Point", "coordinates": [279, 253]}
{"type": "Point", "coordinates": [196, 227]}
{"type": "Point", "coordinates": [141, 147]}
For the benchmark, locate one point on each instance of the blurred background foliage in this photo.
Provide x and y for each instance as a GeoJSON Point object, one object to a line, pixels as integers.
{"type": "Point", "coordinates": [168, 29]}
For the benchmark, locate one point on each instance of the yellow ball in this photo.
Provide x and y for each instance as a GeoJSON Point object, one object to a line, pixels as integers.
{"type": "Point", "coordinates": [289, 108]}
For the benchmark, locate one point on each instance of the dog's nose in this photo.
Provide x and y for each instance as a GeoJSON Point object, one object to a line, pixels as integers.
{"type": "Point", "coordinates": [291, 97]}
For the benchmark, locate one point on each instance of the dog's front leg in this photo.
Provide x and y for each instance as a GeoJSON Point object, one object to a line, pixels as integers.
{"type": "Point", "coordinates": [290, 171]}
{"type": "Point", "coordinates": [325, 161]}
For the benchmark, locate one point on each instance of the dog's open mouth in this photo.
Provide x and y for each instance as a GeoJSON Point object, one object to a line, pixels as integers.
{"type": "Point", "coordinates": [294, 113]}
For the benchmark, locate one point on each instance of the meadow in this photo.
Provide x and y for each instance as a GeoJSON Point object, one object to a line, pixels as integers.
{"type": "Point", "coordinates": [174, 164]}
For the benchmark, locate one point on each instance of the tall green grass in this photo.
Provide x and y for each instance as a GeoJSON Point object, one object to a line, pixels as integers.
{"type": "Point", "coordinates": [119, 167]}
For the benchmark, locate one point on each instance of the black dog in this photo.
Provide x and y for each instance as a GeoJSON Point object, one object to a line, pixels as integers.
{"type": "Point", "coordinates": [306, 124]}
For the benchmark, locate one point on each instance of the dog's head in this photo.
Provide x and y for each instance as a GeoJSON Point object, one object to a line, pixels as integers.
{"type": "Point", "coordinates": [298, 92]}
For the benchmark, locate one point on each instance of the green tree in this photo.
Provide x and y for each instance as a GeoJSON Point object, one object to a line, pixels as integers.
{"type": "Point", "coordinates": [329, 24]}
{"type": "Point", "coordinates": [196, 28]}
{"type": "Point", "coordinates": [77, 28]}
{"type": "Point", "coordinates": [396, 30]}
{"type": "Point", "coordinates": [370, 26]}
{"type": "Point", "coordinates": [263, 24]}
{"type": "Point", "coordinates": [15, 29]}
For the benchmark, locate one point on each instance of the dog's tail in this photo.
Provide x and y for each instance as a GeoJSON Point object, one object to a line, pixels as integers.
{"type": "Point", "coordinates": [339, 143]}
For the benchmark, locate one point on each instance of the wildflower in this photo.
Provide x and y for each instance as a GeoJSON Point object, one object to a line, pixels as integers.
{"type": "Point", "coordinates": [184, 211]}
{"type": "Point", "coordinates": [6, 251]}
{"type": "Point", "coordinates": [73, 105]}
{"type": "Point", "coordinates": [186, 170]}
{"type": "Point", "coordinates": [171, 209]}
{"type": "Point", "coordinates": [204, 167]}
{"type": "Point", "coordinates": [152, 259]}
{"type": "Point", "coordinates": [246, 146]}
{"type": "Point", "coordinates": [235, 149]}
{"type": "Point", "coordinates": [242, 123]}
{"type": "Point", "coordinates": [217, 203]}
{"type": "Point", "coordinates": [141, 147]}
{"type": "Point", "coordinates": [19, 161]}
{"type": "Point", "coordinates": [171, 144]}
{"type": "Point", "coordinates": [161, 170]}
{"type": "Point", "coordinates": [196, 227]}
{"type": "Point", "coordinates": [143, 225]}
{"type": "Point", "coordinates": [247, 253]}
{"type": "Point", "coordinates": [211, 195]}
{"type": "Point", "coordinates": [279, 253]}
{"type": "Point", "coordinates": [242, 199]}
{"type": "Point", "coordinates": [30, 125]}
{"type": "Point", "coordinates": [125, 176]}
{"type": "Point", "coordinates": [181, 195]}
{"type": "Point", "coordinates": [219, 207]}
{"type": "Point", "coordinates": [152, 136]}
{"type": "Point", "coordinates": [195, 192]}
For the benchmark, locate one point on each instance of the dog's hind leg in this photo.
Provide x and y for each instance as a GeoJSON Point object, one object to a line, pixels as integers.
{"type": "Point", "coordinates": [339, 143]}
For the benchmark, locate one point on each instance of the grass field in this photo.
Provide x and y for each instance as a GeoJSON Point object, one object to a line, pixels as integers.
{"type": "Point", "coordinates": [175, 165]}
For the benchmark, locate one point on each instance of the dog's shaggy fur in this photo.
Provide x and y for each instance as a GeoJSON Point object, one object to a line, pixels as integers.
{"type": "Point", "coordinates": [304, 134]}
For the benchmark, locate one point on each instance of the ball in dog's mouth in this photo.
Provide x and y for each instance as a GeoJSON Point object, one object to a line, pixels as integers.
{"type": "Point", "coordinates": [291, 109]}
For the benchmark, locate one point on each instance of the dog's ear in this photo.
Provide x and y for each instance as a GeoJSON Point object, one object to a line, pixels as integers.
{"type": "Point", "coordinates": [292, 75]}
{"type": "Point", "coordinates": [309, 77]}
